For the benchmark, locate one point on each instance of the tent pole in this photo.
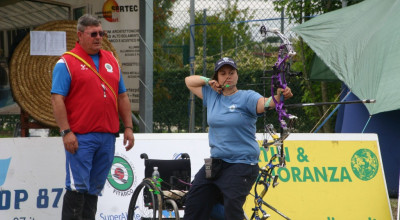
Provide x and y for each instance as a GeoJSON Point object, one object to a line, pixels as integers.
{"type": "Point", "coordinates": [365, 126]}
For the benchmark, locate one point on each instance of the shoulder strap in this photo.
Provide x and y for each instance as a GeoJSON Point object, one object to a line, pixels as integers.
{"type": "Point", "coordinates": [98, 74]}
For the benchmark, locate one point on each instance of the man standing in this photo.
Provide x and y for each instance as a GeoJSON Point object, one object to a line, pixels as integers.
{"type": "Point", "coordinates": [88, 94]}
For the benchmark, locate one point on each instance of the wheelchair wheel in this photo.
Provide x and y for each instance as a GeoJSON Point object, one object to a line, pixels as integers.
{"type": "Point", "coordinates": [171, 205]}
{"type": "Point", "coordinates": [146, 202]}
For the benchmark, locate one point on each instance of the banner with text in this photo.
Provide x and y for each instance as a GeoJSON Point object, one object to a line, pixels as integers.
{"type": "Point", "coordinates": [120, 19]}
{"type": "Point", "coordinates": [328, 176]}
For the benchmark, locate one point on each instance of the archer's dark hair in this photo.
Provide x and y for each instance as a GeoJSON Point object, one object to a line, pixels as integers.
{"type": "Point", "coordinates": [87, 20]}
{"type": "Point", "coordinates": [215, 76]}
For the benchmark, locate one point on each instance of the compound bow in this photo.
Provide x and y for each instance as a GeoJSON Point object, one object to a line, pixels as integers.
{"type": "Point", "coordinates": [280, 71]}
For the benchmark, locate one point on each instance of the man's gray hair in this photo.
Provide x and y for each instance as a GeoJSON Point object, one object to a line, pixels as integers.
{"type": "Point", "coordinates": [87, 20]}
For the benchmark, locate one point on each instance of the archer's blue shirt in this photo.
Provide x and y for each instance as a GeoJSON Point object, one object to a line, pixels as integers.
{"type": "Point", "coordinates": [232, 125]}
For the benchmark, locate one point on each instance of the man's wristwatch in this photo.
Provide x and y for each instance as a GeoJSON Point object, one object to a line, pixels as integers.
{"type": "Point", "coordinates": [65, 132]}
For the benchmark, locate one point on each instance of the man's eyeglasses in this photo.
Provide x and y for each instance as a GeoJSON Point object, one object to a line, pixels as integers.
{"type": "Point", "coordinates": [94, 34]}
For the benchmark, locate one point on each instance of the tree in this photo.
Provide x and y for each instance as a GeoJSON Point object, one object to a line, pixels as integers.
{"type": "Point", "coordinates": [219, 26]}
{"type": "Point", "coordinates": [162, 11]}
{"type": "Point", "coordinates": [224, 30]}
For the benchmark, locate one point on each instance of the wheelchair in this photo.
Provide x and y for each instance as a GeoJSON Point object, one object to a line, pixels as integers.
{"type": "Point", "coordinates": [163, 198]}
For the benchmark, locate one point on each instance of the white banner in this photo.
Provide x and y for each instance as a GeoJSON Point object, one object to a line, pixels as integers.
{"type": "Point", "coordinates": [32, 175]}
{"type": "Point", "coordinates": [120, 19]}
{"type": "Point", "coordinates": [156, 146]}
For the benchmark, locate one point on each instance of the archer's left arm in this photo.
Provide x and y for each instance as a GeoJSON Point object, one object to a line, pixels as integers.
{"type": "Point", "coordinates": [124, 109]}
{"type": "Point", "coordinates": [287, 93]}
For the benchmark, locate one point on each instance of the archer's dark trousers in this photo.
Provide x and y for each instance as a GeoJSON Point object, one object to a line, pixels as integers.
{"type": "Point", "coordinates": [235, 182]}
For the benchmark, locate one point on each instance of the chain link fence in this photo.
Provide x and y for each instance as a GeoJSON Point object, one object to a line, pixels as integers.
{"type": "Point", "coordinates": [222, 28]}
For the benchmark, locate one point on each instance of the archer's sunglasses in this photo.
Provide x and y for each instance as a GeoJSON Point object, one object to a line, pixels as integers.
{"type": "Point", "coordinates": [94, 34]}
